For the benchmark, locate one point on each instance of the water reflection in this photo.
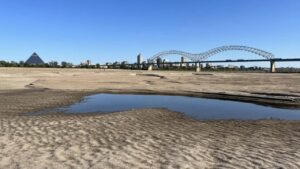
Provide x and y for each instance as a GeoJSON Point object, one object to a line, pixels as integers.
{"type": "Point", "coordinates": [198, 108]}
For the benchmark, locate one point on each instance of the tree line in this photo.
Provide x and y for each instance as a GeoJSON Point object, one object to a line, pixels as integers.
{"type": "Point", "coordinates": [126, 65]}
{"type": "Point", "coordinates": [52, 64]}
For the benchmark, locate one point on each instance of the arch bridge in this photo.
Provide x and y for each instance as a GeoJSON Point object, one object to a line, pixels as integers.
{"type": "Point", "coordinates": [201, 57]}
{"type": "Point", "coordinates": [205, 55]}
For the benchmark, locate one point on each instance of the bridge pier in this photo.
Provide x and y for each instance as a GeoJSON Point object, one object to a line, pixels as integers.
{"type": "Point", "coordinates": [272, 66]}
{"type": "Point", "coordinates": [182, 64]}
{"type": "Point", "coordinates": [198, 67]}
{"type": "Point", "coordinates": [150, 67]}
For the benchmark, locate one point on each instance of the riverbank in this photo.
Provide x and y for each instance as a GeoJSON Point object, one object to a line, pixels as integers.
{"type": "Point", "coordinates": [144, 138]}
{"type": "Point", "coordinates": [278, 90]}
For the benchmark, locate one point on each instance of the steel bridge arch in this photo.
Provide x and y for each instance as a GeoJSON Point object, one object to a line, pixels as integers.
{"type": "Point", "coordinates": [205, 55]}
{"type": "Point", "coordinates": [173, 52]}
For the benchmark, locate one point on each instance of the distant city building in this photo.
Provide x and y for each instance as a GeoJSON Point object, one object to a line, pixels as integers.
{"type": "Point", "coordinates": [232, 67]}
{"type": "Point", "coordinates": [253, 68]}
{"type": "Point", "coordinates": [176, 65]}
{"type": "Point", "coordinates": [208, 65]}
{"type": "Point", "coordinates": [34, 59]}
{"type": "Point", "coordinates": [220, 66]}
{"type": "Point", "coordinates": [87, 63]}
{"type": "Point", "coordinates": [139, 60]}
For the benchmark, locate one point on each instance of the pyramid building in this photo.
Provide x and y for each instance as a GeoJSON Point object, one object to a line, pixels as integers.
{"type": "Point", "coordinates": [34, 59]}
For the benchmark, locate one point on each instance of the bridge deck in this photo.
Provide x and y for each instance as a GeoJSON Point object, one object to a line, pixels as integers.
{"type": "Point", "coordinates": [244, 60]}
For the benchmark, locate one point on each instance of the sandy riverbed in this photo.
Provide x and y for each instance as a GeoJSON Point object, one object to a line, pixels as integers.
{"type": "Point", "coordinates": [265, 88]}
{"type": "Point", "coordinates": [151, 138]}
{"type": "Point", "coordinates": [148, 138]}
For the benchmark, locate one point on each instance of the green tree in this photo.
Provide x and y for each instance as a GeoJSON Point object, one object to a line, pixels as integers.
{"type": "Point", "coordinates": [2, 63]}
{"type": "Point", "coordinates": [64, 64]}
{"type": "Point", "coordinates": [21, 63]}
{"type": "Point", "coordinates": [53, 64]}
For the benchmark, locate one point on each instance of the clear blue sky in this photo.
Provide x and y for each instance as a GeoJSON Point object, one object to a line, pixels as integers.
{"type": "Point", "coordinates": [109, 30]}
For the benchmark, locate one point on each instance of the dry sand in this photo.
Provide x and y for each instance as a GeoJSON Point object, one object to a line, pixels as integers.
{"type": "Point", "coordinates": [266, 88]}
{"type": "Point", "coordinates": [148, 138]}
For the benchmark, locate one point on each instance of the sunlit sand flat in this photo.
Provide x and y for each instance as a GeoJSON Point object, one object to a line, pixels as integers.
{"type": "Point", "coordinates": [279, 88]}
{"type": "Point", "coordinates": [143, 138]}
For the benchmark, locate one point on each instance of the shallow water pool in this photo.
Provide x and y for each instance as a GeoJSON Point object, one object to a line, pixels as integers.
{"type": "Point", "coordinates": [199, 108]}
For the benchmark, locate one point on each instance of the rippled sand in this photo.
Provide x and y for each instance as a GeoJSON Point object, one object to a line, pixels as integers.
{"type": "Point", "coordinates": [150, 138]}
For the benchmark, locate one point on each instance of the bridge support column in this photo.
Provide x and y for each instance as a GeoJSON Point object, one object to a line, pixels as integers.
{"type": "Point", "coordinates": [198, 67]}
{"type": "Point", "coordinates": [181, 62]}
{"type": "Point", "coordinates": [272, 66]}
{"type": "Point", "coordinates": [150, 67]}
